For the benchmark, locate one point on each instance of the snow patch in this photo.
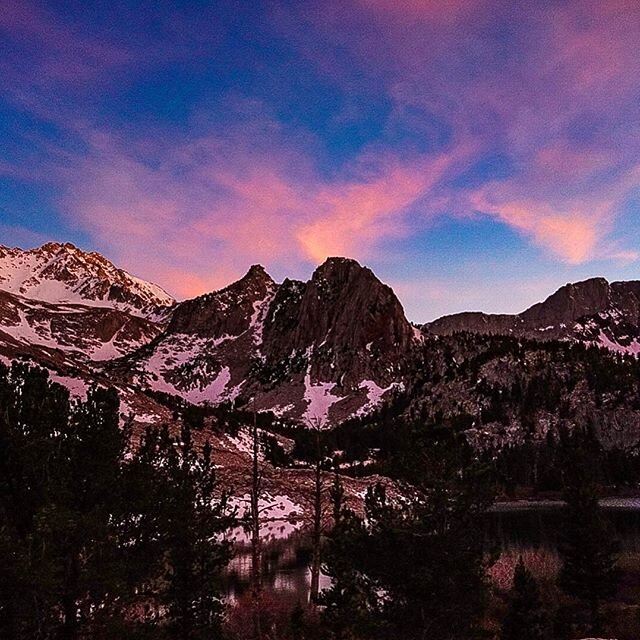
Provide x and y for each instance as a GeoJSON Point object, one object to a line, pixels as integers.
{"type": "Point", "coordinates": [319, 400]}
{"type": "Point", "coordinates": [632, 349]}
{"type": "Point", "coordinates": [77, 388]}
{"type": "Point", "coordinates": [259, 315]}
{"type": "Point", "coordinates": [375, 394]}
{"type": "Point", "coordinates": [279, 517]}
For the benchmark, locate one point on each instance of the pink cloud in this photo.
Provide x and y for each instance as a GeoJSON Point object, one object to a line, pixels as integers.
{"type": "Point", "coordinates": [215, 201]}
{"type": "Point", "coordinates": [262, 203]}
{"type": "Point", "coordinates": [571, 235]}
{"type": "Point", "coordinates": [352, 217]}
{"type": "Point", "coordinates": [526, 91]}
{"type": "Point", "coordinates": [573, 225]}
{"type": "Point", "coordinates": [218, 202]}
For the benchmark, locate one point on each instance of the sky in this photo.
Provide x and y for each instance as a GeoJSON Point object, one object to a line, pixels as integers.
{"type": "Point", "coordinates": [476, 155]}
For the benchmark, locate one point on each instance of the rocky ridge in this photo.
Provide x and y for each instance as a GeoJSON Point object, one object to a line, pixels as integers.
{"type": "Point", "coordinates": [321, 351]}
{"type": "Point", "coordinates": [593, 312]}
{"type": "Point", "coordinates": [316, 351]}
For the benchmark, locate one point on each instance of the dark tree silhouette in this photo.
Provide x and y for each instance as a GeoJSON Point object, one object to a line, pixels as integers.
{"type": "Point", "coordinates": [588, 546]}
{"type": "Point", "coordinates": [526, 618]}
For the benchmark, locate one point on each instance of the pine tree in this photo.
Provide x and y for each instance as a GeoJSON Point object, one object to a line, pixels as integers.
{"type": "Point", "coordinates": [88, 540]}
{"type": "Point", "coordinates": [32, 412]}
{"type": "Point", "coordinates": [317, 508]}
{"type": "Point", "coordinates": [194, 516]}
{"type": "Point", "coordinates": [588, 547]}
{"type": "Point", "coordinates": [351, 608]}
{"type": "Point", "coordinates": [414, 568]}
{"type": "Point", "coordinates": [254, 517]}
{"type": "Point", "coordinates": [60, 502]}
{"type": "Point", "coordinates": [525, 618]}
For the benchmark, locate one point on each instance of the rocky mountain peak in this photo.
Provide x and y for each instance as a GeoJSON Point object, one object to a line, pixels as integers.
{"type": "Point", "coordinates": [338, 265]}
{"type": "Point", "coordinates": [343, 312]}
{"type": "Point", "coordinates": [254, 284]}
{"type": "Point", "coordinates": [227, 312]}
{"type": "Point", "coordinates": [56, 247]}
{"type": "Point", "coordinates": [61, 273]}
{"type": "Point", "coordinates": [257, 271]}
{"type": "Point", "coordinates": [570, 302]}
{"type": "Point", "coordinates": [338, 273]}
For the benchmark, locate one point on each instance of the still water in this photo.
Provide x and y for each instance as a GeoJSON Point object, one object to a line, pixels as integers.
{"type": "Point", "coordinates": [510, 528]}
{"type": "Point", "coordinates": [537, 525]}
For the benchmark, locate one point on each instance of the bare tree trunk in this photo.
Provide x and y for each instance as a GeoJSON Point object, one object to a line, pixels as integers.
{"type": "Point", "coordinates": [317, 523]}
{"type": "Point", "coordinates": [69, 629]}
{"type": "Point", "coordinates": [256, 573]}
{"type": "Point", "coordinates": [317, 534]}
{"type": "Point", "coordinates": [594, 615]}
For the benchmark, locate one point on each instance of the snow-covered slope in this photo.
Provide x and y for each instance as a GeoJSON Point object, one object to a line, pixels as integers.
{"type": "Point", "coordinates": [319, 351]}
{"type": "Point", "coordinates": [62, 273]}
{"type": "Point", "coordinates": [82, 333]}
{"type": "Point", "coordinates": [70, 311]}
{"type": "Point", "coordinates": [206, 353]}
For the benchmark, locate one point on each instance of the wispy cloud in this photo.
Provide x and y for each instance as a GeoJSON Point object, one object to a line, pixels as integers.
{"type": "Point", "coordinates": [217, 203]}
{"type": "Point", "coordinates": [232, 177]}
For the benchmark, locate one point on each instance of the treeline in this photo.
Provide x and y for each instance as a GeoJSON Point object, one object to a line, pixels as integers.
{"type": "Point", "coordinates": [541, 465]}
{"type": "Point", "coordinates": [515, 399]}
{"type": "Point", "coordinates": [225, 417]}
{"type": "Point", "coordinates": [96, 540]}
{"type": "Point", "coordinates": [101, 541]}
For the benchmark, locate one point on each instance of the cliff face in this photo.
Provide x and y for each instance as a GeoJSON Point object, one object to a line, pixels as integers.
{"type": "Point", "coordinates": [326, 348]}
{"type": "Point", "coordinates": [569, 304]}
{"type": "Point", "coordinates": [352, 323]}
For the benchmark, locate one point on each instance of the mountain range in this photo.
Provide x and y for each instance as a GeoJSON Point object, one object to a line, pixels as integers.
{"type": "Point", "coordinates": [317, 352]}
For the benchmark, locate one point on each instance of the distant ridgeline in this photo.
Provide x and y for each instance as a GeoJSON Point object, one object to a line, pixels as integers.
{"type": "Point", "coordinates": [334, 351]}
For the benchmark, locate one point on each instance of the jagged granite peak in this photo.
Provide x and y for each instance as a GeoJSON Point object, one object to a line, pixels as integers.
{"type": "Point", "coordinates": [343, 305]}
{"type": "Point", "coordinates": [227, 312]}
{"type": "Point", "coordinates": [63, 273]}
{"type": "Point", "coordinates": [348, 324]}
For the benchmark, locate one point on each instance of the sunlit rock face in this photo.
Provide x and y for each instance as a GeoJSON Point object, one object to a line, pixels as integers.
{"type": "Point", "coordinates": [61, 304]}
{"type": "Point", "coordinates": [62, 273]}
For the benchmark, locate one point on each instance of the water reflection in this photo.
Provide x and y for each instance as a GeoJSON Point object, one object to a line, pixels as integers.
{"type": "Point", "coordinates": [285, 568]}
{"type": "Point", "coordinates": [511, 530]}
{"type": "Point", "coordinates": [540, 526]}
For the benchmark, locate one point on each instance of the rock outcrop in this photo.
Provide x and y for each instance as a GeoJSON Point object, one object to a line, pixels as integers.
{"type": "Point", "coordinates": [323, 349]}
